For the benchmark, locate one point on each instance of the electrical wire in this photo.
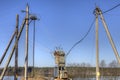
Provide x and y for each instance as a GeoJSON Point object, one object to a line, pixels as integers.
{"type": "Point", "coordinates": [78, 42]}
{"type": "Point", "coordinates": [90, 29]}
{"type": "Point", "coordinates": [111, 8]}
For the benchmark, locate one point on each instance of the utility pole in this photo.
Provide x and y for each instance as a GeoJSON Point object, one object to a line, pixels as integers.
{"type": "Point", "coordinates": [109, 37]}
{"type": "Point", "coordinates": [12, 51]}
{"type": "Point", "coordinates": [16, 50]}
{"type": "Point", "coordinates": [97, 48]}
{"type": "Point", "coordinates": [108, 34]}
{"type": "Point", "coordinates": [99, 12]}
{"type": "Point", "coordinates": [33, 18]}
{"type": "Point", "coordinates": [26, 48]}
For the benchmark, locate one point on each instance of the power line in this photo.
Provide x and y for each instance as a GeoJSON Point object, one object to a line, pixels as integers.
{"type": "Point", "coordinates": [90, 30]}
{"type": "Point", "coordinates": [81, 38]}
{"type": "Point", "coordinates": [111, 8]}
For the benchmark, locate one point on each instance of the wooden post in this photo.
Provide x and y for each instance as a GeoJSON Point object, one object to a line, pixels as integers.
{"type": "Point", "coordinates": [11, 54]}
{"type": "Point", "coordinates": [16, 48]}
{"type": "Point", "coordinates": [7, 48]}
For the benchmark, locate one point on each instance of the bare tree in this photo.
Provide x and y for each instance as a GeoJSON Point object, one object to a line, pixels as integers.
{"type": "Point", "coordinates": [102, 63]}
{"type": "Point", "coordinates": [113, 64]}
{"type": "Point", "coordinates": [83, 64]}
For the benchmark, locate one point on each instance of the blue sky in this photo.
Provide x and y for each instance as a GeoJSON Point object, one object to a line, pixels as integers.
{"type": "Point", "coordinates": [62, 23]}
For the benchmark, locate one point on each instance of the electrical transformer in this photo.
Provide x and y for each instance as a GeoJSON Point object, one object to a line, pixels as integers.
{"type": "Point", "coordinates": [60, 62]}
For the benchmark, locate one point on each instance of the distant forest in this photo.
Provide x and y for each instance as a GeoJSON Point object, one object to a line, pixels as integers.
{"type": "Point", "coordinates": [103, 64]}
{"type": "Point", "coordinates": [74, 70]}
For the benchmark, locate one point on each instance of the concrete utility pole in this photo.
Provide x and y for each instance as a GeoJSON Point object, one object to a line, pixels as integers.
{"type": "Point", "coordinates": [99, 12]}
{"type": "Point", "coordinates": [108, 34]}
{"type": "Point", "coordinates": [110, 37]}
{"type": "Point", "coordinates": [97, 48]}
{"type": "Point", "coordinates": [26, 48]}
{"type": "Point", "coordinates": [16, 52]}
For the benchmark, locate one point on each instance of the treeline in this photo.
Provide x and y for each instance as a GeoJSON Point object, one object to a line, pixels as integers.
{"type": "Point", "coordinates": [88, 70]}
{"type": "Point", "coordinates": [112, 64]}
{"type": "Point", "coordinates": [74, 70]}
